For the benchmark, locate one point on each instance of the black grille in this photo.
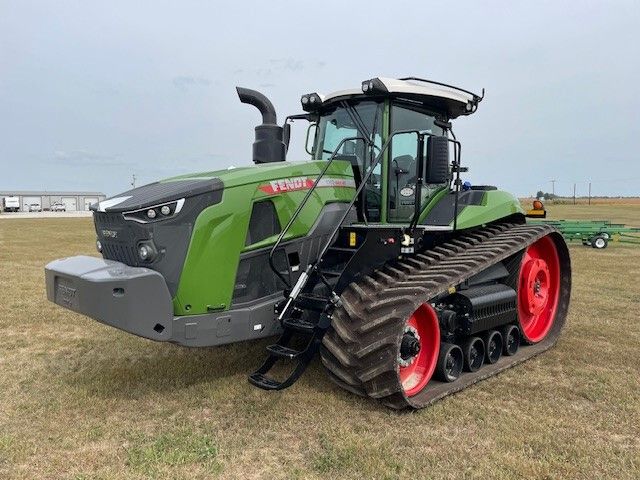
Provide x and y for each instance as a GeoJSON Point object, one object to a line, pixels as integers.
{"type": "Point", "coordinates": [121, 253]}
{"type": "Point", "coordinates": [108, 219]}
{"type": "Point", "coordinates": [122, 247]}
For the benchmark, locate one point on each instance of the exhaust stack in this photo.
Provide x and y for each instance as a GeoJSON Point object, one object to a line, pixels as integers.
{"type": "Point", "coordinates": [268, 146]}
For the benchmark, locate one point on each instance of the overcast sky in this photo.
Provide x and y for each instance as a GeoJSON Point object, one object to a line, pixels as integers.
{"type": "Point", "coordinates": [93, 92]}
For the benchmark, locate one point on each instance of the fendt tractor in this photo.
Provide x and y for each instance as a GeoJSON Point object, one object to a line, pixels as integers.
{"type": "Point", "coordinates": [410, 282]}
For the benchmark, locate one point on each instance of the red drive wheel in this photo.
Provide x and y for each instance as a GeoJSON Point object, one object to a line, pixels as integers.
{"type": "Point", "coordinates": [419, 349]}
{"type": "Point", "coordinates": [538, 289]}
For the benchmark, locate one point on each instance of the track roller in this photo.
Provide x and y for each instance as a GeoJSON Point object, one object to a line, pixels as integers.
{"type": "Point", "coordinates": [493, 345]}
{"type": "Point", "coordinates": [450, 362]}
{"type": "Point", "coordinates": [473, 351]}
{"type": "Point", "coordinates": [510, 339]}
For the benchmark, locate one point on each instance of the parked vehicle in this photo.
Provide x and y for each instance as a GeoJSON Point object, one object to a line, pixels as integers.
{"type": "Point", "coordinates": [10, 204]}
{"type": "Point", "coordinates": [370, 253]}
{"type": "Point", "coordinates": [58, 207]}
{"type": "Point", "coordinates": [35, 207]}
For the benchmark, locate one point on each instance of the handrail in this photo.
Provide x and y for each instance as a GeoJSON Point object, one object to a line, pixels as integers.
{"type": "Point", "coordinates": [295, 215]}
{"type": "Point", "coordinates": [364, 182]}
{"type": "Point", "coordinates": [314, 265]}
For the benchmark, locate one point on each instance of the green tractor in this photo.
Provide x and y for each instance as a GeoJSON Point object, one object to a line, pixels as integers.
{"type": "Point", "coordinates": [410, 283]}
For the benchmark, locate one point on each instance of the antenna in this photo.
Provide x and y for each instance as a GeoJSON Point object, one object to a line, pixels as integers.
{"type": "Point", "coordinates": [133, 180]}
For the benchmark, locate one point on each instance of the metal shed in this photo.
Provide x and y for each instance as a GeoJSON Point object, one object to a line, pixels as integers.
{"type": "Point", "coordinates": [73, 201]}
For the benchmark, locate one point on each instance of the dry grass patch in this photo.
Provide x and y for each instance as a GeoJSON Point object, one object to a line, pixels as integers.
{"type": "Point", "coordinates": [82, 400]}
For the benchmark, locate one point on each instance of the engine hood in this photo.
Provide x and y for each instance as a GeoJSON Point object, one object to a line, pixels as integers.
{"type": "Point", "coordinates": [157, 193]}
{"type": "Point", "coordinates": [191, 185]}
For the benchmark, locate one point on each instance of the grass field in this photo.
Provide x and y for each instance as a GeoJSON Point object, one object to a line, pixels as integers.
{"type": "Point", "coordinates": [81, 400]}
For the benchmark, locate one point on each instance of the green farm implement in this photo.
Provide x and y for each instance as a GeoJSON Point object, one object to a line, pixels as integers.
{"type": "Point", "coordinates": [596, 233]}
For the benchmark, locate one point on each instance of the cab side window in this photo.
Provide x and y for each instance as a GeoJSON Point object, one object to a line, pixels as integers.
{"type": "Point", "coordinates": [402, 164]}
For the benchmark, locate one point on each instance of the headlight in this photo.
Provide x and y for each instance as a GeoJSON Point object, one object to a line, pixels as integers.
{"type": "Point", "coordinates": [99, 246]}
{"type": "Point", "coordinates": [155, 213]}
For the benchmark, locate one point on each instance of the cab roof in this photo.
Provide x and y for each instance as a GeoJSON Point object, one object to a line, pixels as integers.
{"type": "Point", "coordinates": [453, 100]}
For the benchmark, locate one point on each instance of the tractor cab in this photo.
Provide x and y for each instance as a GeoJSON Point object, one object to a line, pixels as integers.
{"type": "Point", "coordinates": [383, 125]}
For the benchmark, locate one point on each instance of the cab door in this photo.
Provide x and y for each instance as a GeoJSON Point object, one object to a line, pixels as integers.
{"type": "Point", "coordinates": [402, 164]}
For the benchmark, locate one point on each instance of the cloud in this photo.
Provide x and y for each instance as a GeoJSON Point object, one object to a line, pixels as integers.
{"type": "Point", "coordinates": [291, 64]}
{"type": "Point", "coordinates": [89, 159]}
{"type": "Point", "coordinates": [186, 82]}
{"type": "Point", "coordinates": [275, 66]}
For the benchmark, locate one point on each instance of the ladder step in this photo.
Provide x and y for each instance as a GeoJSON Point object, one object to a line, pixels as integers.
{"type": "Point", "coordinates": [282, 351]}
{"type": "Point", "coordinates": [310, 301]}
{"type": "Point", "coordinates": [262, 381]}
{"type": "Point", "coordinates": [342, 249]}
{"type": "Point", "coordinates": [298, 324]}
{"type": "Point", "coordinates": [330, 273]}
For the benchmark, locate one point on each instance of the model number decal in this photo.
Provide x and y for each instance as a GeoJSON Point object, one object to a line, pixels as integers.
{"type": "Point", "coordinates": [110, 233]}
{"type": "Point", "coordinates": [292, 184]}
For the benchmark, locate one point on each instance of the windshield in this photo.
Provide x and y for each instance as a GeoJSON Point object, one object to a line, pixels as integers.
{"type": "Point", "coordinates": [336, 125]}
{"type": "Point", "coordinates": [341, 123]}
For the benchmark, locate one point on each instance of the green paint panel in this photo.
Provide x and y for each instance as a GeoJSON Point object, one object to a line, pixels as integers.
{"type": "Point", "coordinates": [496, 204]}
{"type": "Point", "coordinates": [220, 231]}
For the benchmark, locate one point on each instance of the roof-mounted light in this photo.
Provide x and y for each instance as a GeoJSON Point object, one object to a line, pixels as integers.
{"type": "Point", "coordinates": [373, 86]}
{"type": "Point", "coordinates": [311, 102]}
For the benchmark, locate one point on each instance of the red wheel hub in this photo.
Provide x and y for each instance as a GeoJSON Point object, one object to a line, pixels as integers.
{"type": "Point", "coordinates": [418, 353]}
{"type": "Point", "coordinates": [538, 289]}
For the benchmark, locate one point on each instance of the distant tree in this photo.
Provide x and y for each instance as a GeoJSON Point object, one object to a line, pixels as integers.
{"type": "Point", "coordinates": [540, 194]}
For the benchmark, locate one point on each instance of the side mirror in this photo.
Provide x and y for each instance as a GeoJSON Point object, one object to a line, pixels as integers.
{"type": "Point", "coordinates": [314, 127]}
{"type": "Point", "coordinates": [437, 167]}
{"type": "Point", "coordinates": [286, 135]}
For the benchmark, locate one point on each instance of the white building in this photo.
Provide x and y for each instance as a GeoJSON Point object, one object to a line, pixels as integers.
{"type": "Point", "coordinates": [73, 201]}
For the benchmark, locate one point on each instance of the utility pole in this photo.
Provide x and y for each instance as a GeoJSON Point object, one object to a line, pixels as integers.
{"type": "Point", "coordinates": [589, 193]}
{"type": "Point", "coordinates": [553, 188]}
{"type": "Point", "coordinates": [133, 180]}
{"type": "Point", "coordinates": [574, 193]}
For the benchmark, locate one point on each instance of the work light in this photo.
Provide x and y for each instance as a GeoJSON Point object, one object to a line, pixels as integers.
{"type": "Point", "coordinates": [375, 85]}
{"type": "Point", "coordinates": [311, 101]}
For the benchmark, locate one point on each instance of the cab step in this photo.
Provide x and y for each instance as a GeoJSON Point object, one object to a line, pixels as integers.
{"type": "Point", "coordinates": [312, 301]}
{"type": "Point", "coordinates": [283, 352]}
{"type": "Point", "coordinates": [262, 381]}
{"type": "Point", "coordinates": [298, 324]}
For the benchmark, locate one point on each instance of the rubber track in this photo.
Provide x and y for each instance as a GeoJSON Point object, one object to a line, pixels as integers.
{"type": "Point", "coordinates": [360, 351]}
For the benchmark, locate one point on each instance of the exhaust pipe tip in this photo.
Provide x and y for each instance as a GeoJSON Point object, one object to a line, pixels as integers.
{"type": "Point", "coordinates": [262, 103]}
{"type": "Point", "coordinates": [268, 145]}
